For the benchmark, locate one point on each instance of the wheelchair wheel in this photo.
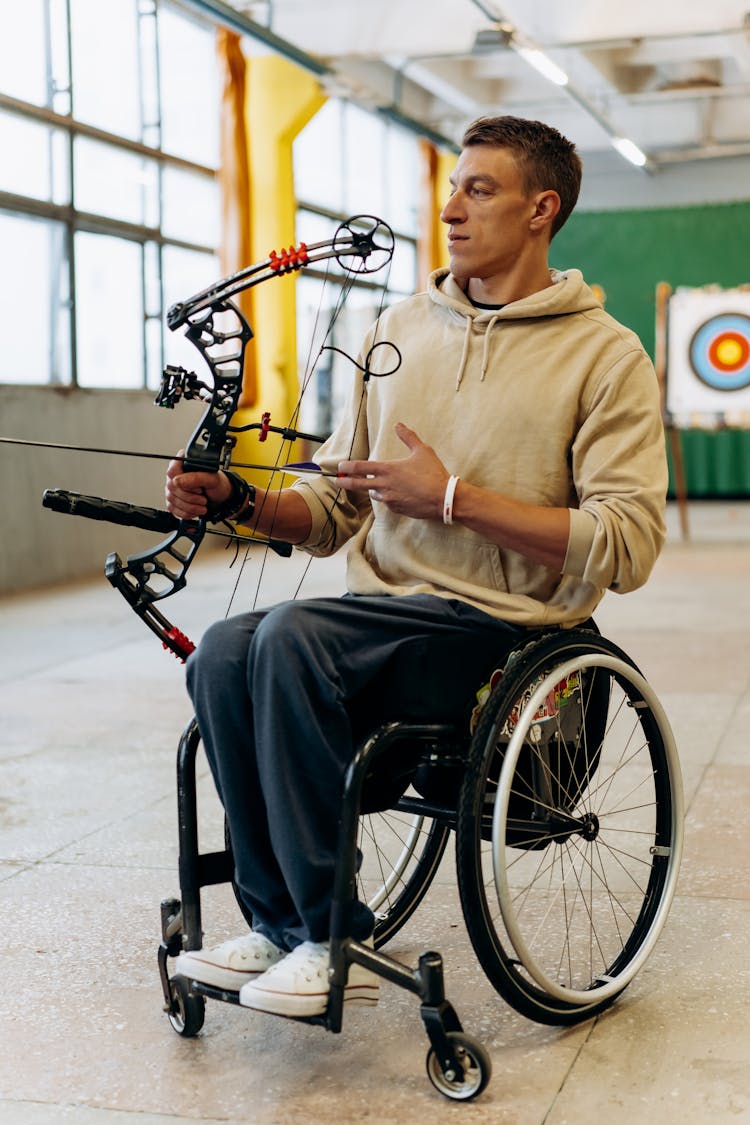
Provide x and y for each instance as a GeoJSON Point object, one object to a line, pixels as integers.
{"type": "Point", "coordinates": [476, 1069]}
{"type": "Point", "coordinates": [401, 853]}
{"type": "Point", "coordinates": [569, 828]}
{"type": "Point", "coordinates": [188, 1011]}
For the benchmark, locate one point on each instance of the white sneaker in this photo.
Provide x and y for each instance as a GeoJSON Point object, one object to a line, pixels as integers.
{"type": "Point", "coordinates": [231, 964]}
{"type": "Point", "coordinates": [299, 986]}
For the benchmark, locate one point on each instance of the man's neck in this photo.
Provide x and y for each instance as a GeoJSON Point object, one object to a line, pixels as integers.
{"type": "Point", "coordinates": [503, 290]}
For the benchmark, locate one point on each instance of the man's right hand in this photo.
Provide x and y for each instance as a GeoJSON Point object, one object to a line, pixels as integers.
{"type": "Point", "coordinates": [188, 495]}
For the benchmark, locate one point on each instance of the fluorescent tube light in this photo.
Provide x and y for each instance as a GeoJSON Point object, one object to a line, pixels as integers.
{"type": "Point", "coordinates": [543, 64]}
{"type": "Point", "coordinates": [629, 149]}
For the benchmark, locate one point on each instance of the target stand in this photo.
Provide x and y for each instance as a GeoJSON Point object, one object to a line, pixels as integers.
{"type": "Point", "coordinates": [703, 366]}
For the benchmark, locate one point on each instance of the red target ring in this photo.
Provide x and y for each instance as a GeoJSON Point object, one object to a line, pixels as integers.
{"type": "Point", "coordinates": [720, 352]}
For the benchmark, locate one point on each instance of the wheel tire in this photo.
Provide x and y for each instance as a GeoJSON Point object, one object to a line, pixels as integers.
{"type": "Point", "coordinates": [392, 879]}
{"type": "Point", "coordinates": [565, 891]}
{"type": "Point", "coordinates": [187, 1019]}
{"type": "Point", "coordinates": [476, 1069]}
{"type": "Point", "coordinates": [401, 853]}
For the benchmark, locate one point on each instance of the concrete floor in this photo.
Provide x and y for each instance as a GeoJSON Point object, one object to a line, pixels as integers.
{"type": "Point", "coordinates": [90, 712]}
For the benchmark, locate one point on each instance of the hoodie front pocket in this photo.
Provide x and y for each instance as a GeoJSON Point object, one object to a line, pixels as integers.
{"type": "Point", "coordinates": [424, 552]}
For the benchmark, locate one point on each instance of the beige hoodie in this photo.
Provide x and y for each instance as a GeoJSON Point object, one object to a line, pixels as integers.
{"type": "Point", "coordinates": [549, 401]}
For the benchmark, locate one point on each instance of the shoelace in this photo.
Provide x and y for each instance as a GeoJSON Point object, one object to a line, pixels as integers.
{"type": "Point", "coordinates": [308, 960]}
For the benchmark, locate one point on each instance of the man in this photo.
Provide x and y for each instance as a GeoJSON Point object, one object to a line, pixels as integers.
{"type": "Point", "coordinates": [509, 473]}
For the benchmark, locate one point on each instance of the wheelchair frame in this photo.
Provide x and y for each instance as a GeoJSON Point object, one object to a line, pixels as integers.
{"type": "Point", "coordinates": [535, 798]}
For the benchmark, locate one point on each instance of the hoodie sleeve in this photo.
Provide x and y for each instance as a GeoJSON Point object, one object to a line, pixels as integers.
{"type": "Point", "coordinates": [620, 471]}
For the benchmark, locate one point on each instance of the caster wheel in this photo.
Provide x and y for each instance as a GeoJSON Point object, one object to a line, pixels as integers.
{"type": "Point", "coordinates": [189, 1011]}
{"type": "Point", "coordinates": [476, 1069]}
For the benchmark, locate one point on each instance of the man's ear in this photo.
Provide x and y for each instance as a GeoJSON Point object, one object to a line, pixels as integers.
{"type": "Point", "coordinates": [547, 206]}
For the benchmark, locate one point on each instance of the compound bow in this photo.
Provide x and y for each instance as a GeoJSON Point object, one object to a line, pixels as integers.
{"type": "Point", "coordinates": [215, 325]}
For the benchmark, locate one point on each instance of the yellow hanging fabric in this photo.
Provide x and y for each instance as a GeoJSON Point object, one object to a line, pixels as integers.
{"type": "Point", "coordinates": [432, 249]}
{"type": "Point", "coordinates": [234, 182]}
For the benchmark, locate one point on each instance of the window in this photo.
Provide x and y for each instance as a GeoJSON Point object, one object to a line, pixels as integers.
{"type": "Point", "coordinates": [109, 204]}
{"type": "Point", "coordinates": [370, 168]}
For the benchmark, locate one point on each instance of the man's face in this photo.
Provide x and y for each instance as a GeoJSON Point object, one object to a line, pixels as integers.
{"type": "Point", "coordinates": [488, 213]}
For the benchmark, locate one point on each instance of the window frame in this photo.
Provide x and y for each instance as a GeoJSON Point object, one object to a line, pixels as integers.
{"type": "Point", "coordinates": [75, 220]}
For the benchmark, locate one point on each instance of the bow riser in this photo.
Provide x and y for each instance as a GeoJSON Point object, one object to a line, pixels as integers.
{"type": "Point", "coordinates": [210, 446]}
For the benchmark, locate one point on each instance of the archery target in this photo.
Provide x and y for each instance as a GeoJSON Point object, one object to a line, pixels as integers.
{"type": "Point", "coordinates": [708, 356]}
{"type": "Point", "coordinates": [720, 352]}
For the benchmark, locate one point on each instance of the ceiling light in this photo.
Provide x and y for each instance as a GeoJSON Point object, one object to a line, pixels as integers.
{"type": "Point", "coordinates": [629, 149]}
{"type": "Point", "coordinates": [543, 64]}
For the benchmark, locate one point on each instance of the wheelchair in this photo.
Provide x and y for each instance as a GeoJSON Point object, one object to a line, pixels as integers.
{"type": "Point", "coordinates": [563, 793]}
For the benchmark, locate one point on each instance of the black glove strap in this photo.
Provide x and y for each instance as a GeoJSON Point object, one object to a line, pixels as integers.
{"type": "Point", "coordinates": [240, 501]}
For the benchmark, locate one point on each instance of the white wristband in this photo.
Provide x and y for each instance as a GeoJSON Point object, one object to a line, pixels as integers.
{"type": "Point", "coordinates": [450, 492]}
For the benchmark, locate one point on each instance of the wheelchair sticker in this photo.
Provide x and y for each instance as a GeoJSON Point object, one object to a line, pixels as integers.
{"type": "Point", "coordinates": [556, 699]}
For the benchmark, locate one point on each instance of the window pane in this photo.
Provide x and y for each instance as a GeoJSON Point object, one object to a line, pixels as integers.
{"type": "Point", "coordinates": [402, 181]}
{"type": "Point", "coordinates": [109, 311]}
{"type": "Point", "coordinates": [312, 228]}
{"type": "Point", "coordinates": [38, 348]}
{"type": "Point", "coordinates": [365, 163]}
{"type": "Point", "coordinates": [318, 178]}
{"type": "Point", "coordinates": [155, 327]}
{"type": "Point", "coordinates": [111, 182]}
{"type": "Point", "coordinates": [22, 52]}
{"type": "Point", "coordinates": [35, 159]}
{"type": "Point", "coordinates": [189, 88]}
{"type": "Point", "coordinates": [59, 98]}
{"type": "Point", "coordinates": [191, 208]}
{"type": "Point", "coordinates": [403, 273]}
{"type": "Point", "coordinates": [106, 65]}
{"type": "Point", "coordinates": [149, 76]}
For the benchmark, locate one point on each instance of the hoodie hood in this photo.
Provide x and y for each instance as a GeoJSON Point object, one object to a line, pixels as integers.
{"type": "Point", "coordinates": [567, 294]}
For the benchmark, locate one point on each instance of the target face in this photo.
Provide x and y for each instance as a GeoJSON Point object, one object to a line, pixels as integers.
{"type": "Point", "coordinates": [708, 357]}
{"type": "Point", "coordinates": [720, 352]}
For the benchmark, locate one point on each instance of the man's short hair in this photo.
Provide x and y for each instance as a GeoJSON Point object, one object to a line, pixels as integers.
{"type": "Point", "coordinates": [546, 159]}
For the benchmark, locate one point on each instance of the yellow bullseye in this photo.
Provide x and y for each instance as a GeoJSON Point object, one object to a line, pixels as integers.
{"type": "Point", "coordinates": [728, 352]}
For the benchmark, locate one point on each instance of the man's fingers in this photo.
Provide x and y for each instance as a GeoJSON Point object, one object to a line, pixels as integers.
{"type": "Point", "coordinates": [410, 438]}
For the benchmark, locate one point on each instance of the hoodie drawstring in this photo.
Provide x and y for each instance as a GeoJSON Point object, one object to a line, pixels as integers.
{"type": "Point", "coordinates": [485, 349]}
{"type": "Point", "coordinates": [464, 353]}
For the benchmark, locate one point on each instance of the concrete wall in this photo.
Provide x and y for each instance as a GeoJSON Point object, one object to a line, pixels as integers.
{"type": "Point", "coordinates": [39, 547]}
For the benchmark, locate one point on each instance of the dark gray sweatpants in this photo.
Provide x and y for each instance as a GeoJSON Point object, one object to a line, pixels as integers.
{"type": "Point", "coordinates": [271, 691]}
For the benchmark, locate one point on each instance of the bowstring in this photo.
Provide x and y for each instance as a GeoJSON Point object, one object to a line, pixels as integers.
{"type": "Point", "coordinates": [311, 363]}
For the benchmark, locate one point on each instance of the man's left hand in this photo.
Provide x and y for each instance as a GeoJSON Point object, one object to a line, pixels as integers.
{"type": "Point", "coordinates": [412, 486]}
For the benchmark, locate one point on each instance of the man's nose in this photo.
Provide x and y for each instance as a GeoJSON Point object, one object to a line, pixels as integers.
{"type": "Point", "coordinates": [452, 212]}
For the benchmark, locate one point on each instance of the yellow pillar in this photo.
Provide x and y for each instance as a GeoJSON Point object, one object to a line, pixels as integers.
{"type": "Point", "coordinates": [446, 162]}
{"type": "Point", "coordinates": [432, 246]}
{"type": "Point", "coordinates": [281, 99]}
